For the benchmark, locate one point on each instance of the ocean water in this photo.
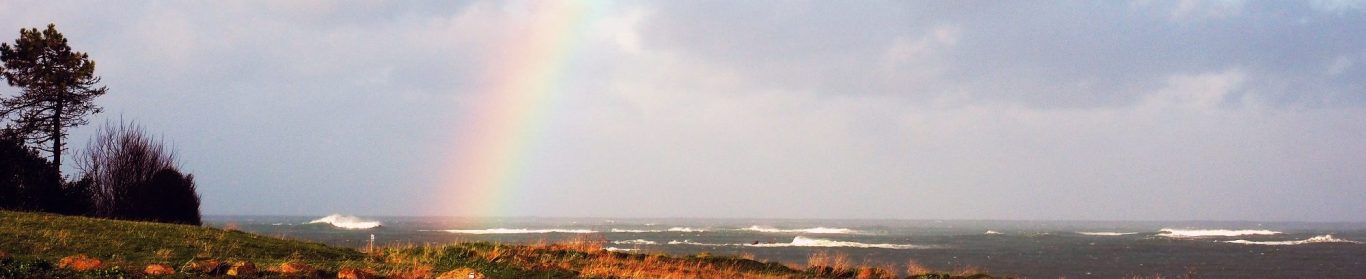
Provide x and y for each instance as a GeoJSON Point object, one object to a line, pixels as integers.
{"type": "Point", "coordinates": [1028, 249]}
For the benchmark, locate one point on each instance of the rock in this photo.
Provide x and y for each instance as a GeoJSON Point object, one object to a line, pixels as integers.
{"type": "Point", "coordinates": [243, 269]}
{"type": "Point", "coordinates": [79, 262]}
{"type": "Point", "coordinates": [462, 273]}
{"type": "Point", "coordinates": [295, 268]}
{"type": "Point", "coordinates": [354, 273]}
{"type": "Point", "coordinates": [158, 270]}
{"type": "Point", "coordinates": [207, 266]}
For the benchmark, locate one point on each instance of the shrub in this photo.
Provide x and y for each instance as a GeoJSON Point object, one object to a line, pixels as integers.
{"type": "Point", "coordinates": [76, 199]}
{"type": "Point", "coordinates": [133, 176]}
{"type": "Point", "coordinates": [169, 197]}
{"type": "Point", "coordinates": [27, 181]}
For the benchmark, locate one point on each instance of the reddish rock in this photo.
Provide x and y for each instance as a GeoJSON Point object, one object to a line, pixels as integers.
{"type": "Point", "coordinates": [243, 269]}
{"type": "Point", "coordinates": [295, 268]}
{"type": "Point", "coordinates": [462, 273]}
{"type": "Point", "coordinates": [158, 270]}
{"type": "Point", "coordinates": [79, 262]}
{"type": "Point", "coordinates": [354, 273]}
{"type": "Point", "coordinates": [206, 266]}
{"type": "Point", "coordinates": [4, 255]}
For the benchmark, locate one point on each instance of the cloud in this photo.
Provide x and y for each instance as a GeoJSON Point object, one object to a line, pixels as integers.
{"type": "Point", "coordinates": [1203, 91]}
{"type": "Point", "coordinates": [1001, 110]}
{"type": "Point", "coordinates": [1187, 9]}
{"type": "Point", "coordinates": [1338, 6]}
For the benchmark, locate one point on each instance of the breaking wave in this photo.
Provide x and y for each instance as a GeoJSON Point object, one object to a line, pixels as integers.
{"type": "Point", "coordinates": [1328, 238]}
{"type": "Point", "coordinates": [632, 231]}
{"type": "Point", "coordinates": [1206, 233]}
{"type": "Point", "coordinates": [518, 231]}
{"type": "Point", "coordinates": [635, 242]}
{"type": "Point", "coordinates": [1106, 233]}
{"type": "Point", "coordinates": [801, 241]}
{"type": "Point", "coordinates": [673, 229]}
{"type": "Point", "coordinates": [689, 242]}
{"type": "Point", "coordinates": [816, 230]}
{"type": "Point", "coordinates": [615, 249]}
{"type": "Point", "coordinates": [346, 222]}
{"type": "Point", "coordinates": [991, 232]}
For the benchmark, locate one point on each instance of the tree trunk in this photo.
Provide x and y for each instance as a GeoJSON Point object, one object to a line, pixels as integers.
{"type": "Point", "coordinates": [57, 137]}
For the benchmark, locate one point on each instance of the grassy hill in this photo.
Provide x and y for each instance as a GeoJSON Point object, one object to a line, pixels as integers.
{"type": "Point", "coordinates": [35, 241]}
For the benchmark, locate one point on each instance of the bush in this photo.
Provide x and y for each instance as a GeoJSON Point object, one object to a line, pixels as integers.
{"type": "Point", "coordinates": [76, 199]}
{"type": "Point", "coordinates": [28, 181]}
{"type": "Point", "coordinates": [169, 197]}
{"type": "Point", "coordinates": [133, 176]}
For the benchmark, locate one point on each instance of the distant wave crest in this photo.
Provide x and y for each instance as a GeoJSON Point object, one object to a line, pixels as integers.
{"type": "Point", "coordinates": [1106, 233]}
{"type": "Point", "coordinates": [685, 229]}
{"type": "Point", "coordinates": [690, 242]}
{"type": "Point", "coordinates": [991, 232]}
{"type": "Point", "coordinates": [632, 231]}
{"type": "Point", "coordinates": [635, 242]}
{"type": "Point", "coordinates": [1328, 238]}
{"type": "Point", "coordinates": [518, 231]}
{"type": "Point", "coordinates": [802, 241]}
{"type": "Point", "coordinates": [1207, 233]}
{"type": "Point", "coordinates": [816, 230]}
{"type": "Point", "coordinates": [346, 222]}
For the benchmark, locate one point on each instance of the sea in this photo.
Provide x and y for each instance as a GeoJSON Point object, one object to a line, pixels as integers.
{"type": "Point", "coordinates": [1021, 249]}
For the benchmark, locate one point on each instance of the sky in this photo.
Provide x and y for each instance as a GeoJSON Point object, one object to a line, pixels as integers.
{"type": "Point", "coordinates": [1075, 110]}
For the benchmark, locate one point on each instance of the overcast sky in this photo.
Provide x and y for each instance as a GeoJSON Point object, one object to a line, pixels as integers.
{"type": "Point", "coordinates": [1113, 110]}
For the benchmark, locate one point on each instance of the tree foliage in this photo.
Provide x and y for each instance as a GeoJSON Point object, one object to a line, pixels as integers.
{"type": "Point", "coordinates": [57, 87]}
{"type": "Point", "coordinates": [127, 174]}
{"type": "Point", "coordinates": [27, 180]}
{"type": "Point", "coordinates": [133, 176]}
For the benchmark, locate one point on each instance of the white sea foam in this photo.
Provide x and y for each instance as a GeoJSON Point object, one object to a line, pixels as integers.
{"type": "Point", "coordinates": [1317, 239]}
{"type": "Point", "coordinates": [673, 229]}
{"type": "Point", "coordinates": [1179, 233]}
{"type": "Point", "coordinates": [518, 231]}
{"type": "Point", "coordinates": [615, 249]}
{"type": "Point", "coordinates": [346, 222]}
{"type": "Point", "coordinates": [635, 242]}
{"type": "Point", "coordinates": [689, 242]}
{"type": "Point", "coordinates": [1107, 233]}
{"type": "Point", "coordinates": [816, 230]}
{"type": "Point", "coordinates": [991, 232]}
{"type": "Point", "coordinates": [632, 231]}
{"type": "Point", "coordinates": [801, 241]}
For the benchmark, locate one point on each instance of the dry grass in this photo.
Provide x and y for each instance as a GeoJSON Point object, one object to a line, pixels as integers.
{"type": "Point", "coordinates": [657, 267]}
{"type": "Point", "coordinates": [163, 254]}
{"type": "Point", "coordinates": [915, 268]}
{"type": "Point", "coordinates": [967, 270]}
{"type": "Point", "coordinates": [581, 256]}
{"type": "Point", "coordinates": [871, 272]}
{"type": "Point", "coordinates": [1190, 274]}
{"type": "Point", "coordinates": [828, 262]}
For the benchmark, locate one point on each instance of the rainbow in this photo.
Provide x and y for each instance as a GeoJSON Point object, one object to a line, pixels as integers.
{"type": "Point", "coordinates": [493, 154]}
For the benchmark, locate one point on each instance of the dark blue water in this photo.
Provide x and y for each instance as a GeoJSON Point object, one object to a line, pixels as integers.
{"type": "Point", "coordinates": [1028, 249]}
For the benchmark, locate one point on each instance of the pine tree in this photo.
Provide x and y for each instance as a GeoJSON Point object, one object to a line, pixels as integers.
{"type": "Point", "coordinates": [57, 87]}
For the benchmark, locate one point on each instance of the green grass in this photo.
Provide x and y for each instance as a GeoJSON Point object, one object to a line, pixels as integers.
{"type": "Point", "coordinates": [36, 241]}
{"type": "Point", "coordinates": [52, 236]}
